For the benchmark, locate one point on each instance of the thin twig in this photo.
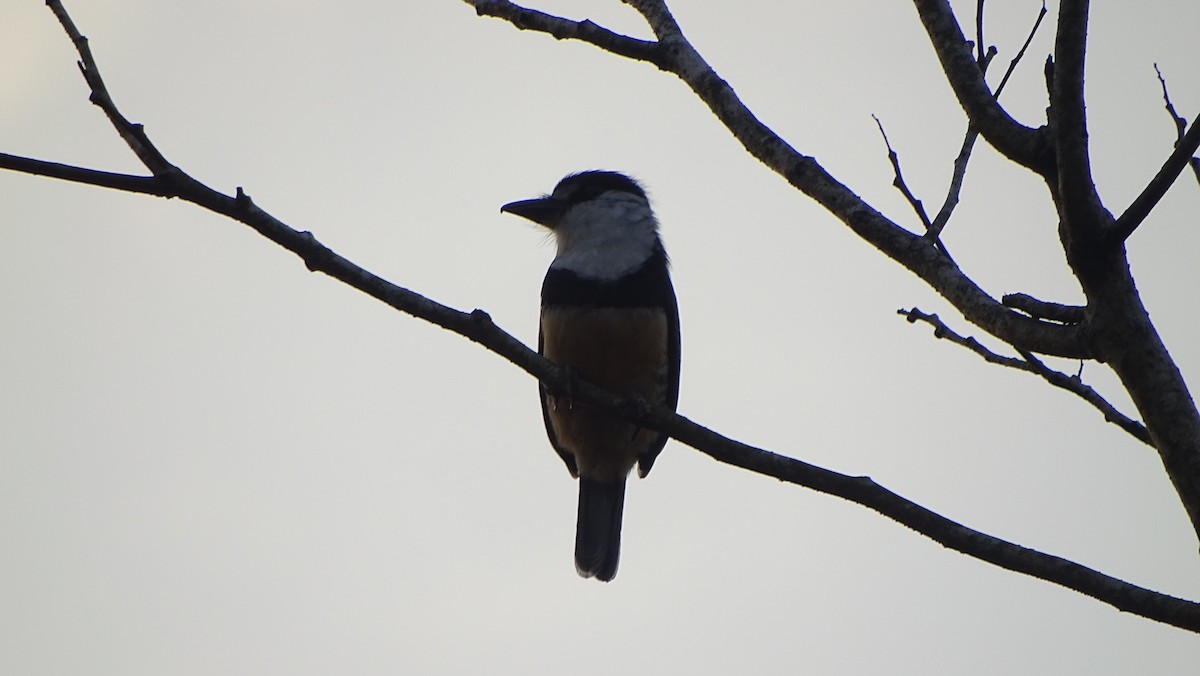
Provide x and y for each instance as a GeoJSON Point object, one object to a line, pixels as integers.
{"type": "Point", "coordinates": [1031, 364]}
{"type": "Point", "coordinates": [1030, 147]}
{"type": "Point", "coordinates": [133, 134]}
{"type": "Point", "coordinates": [1076, 385]}
{"type": "Point", "coordinates": [1179, 120]}
{"type": "Point", "coordinates": [956, 183]}
{"type": "Point", "coordinates": [1012, 65]}
{"type": "Point", "coordinates": [1157, 188]}
{"type": "Point", "coordinates": [898, 181]}
{"type": "Point", "coordinates": [941, 331]}
{"type": "Point", "coordinates": [565, 29]}
{"type": "Point", "coordinates": [149, 185]}
{"type": "Point", "coordinates": [960, 165]}
{"type": "Point", "coordinates": [1186, 145]}
{"type": "Point", "coordinates": [980, 58]}
{"type": "Point", "coordinates": [917, 206]}
{"type": "Point", "coordinates": [964, 154]}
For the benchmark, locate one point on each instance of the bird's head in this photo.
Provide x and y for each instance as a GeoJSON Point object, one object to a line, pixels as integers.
{"type": "Point", "coordinates": [601, 220]}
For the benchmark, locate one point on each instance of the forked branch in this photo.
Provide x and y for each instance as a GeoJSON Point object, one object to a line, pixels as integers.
{"type": "Point", "coordinates": [1031, 364]}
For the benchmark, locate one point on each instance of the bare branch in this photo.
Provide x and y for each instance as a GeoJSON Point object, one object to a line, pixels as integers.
{"type": "Point", "coordinates": [133, 134]}
{"type": "Point", "coordinates": [1075, 384]}
{"type": "Point", "coordinates": [964, 154]}
{"type": "Point", "coordinates": [1012, 65]}
{"type": "Point", "coordinates": [1162, 181]}
{"type": "Point", "coordinates": [917, 206]}
{"type": "Point", "coordinates": [956, 183]}
{"type": "Point", "coordinates": [1055, 312]}
{"type": "Point", "coordinates": [941, 331]}
{"type": "Point", "coordinates": [1080, 204]}
{"type": "Point", "coordinates": [1031, 364]}
{"type": "Point", "coordinates": [1180, 122]}
{"type": "Point", "coordinates": [898, 181]}
{"type": "Point", "coordinates": [979, 53]}
{"type": "Point", "coordinates": [1024, 145]}
{"type": "Point", "coordinates": [565, 29]}
{"type": "Point", "coordinates": [864, 491]}
{"type": "Point", "coordinates": [968, 144]}
{"type": "Point", "coordinates": [149, 185]}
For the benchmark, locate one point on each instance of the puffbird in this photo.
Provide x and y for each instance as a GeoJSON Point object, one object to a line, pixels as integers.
{"type": "Point", "coordinates": [608, 313]}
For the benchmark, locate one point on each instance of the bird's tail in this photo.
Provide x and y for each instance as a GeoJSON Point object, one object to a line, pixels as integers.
{"type": "Point", "coordinates": [598, 530]}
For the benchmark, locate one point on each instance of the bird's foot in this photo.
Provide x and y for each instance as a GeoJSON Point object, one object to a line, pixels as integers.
{"type": "Point", "coordinates": [572, 378]}
{"type": "Point", "coordinates": [635, 407]}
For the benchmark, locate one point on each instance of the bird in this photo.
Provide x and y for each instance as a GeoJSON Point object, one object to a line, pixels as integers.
{"type": "Point", "coordinates": [609, 316]}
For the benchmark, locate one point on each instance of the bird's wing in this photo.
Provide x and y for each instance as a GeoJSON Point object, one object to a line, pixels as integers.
{"type": "Point", "coordinates": [544, 396]}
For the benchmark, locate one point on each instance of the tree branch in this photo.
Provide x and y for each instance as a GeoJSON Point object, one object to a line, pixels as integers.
{"type": "Point", "coordinates": [149, 185]}
{"type": "Point", "coordinates": [1180, 122]}
{"type": "Point", "coordinates": [916, 204]}
{"type": "Point", "coordinates": [133, 134]}
{"type": "Point", "coordinates": [898, 181]}
{"type": "Point", "coordinates": [1154, 191]}
{"type": "Point", "coordinates": [1031, 364]}
{"type": "Point", "coordinates": [1079, 204]}
{"type": "Point", "coordinates": [1055, 312]}
{"type": "Point", "coordinates": [565, 29]}
{"type": "Point", "coordinates": [1024, 145]}
{"type": "Point", "coordinates": [1012, 65]}
{"type": "Point", "coordinates": [964, 154]}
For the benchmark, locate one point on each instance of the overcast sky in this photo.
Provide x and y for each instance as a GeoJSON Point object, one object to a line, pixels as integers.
{"type": "Point", "coordinates": [215, 462]}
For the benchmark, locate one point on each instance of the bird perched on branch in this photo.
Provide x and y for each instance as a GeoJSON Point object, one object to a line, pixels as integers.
{"type": "Point", "coordinates": [609, 315]}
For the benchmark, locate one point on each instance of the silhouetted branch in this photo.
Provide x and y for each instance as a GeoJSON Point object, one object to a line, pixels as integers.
{"type": "Point", "coordinates": [1180, 122]}
{"type": "Point", "coordinates": [1183, 156]}
{"type": "Point", "coordinates": [956, 183]}
{"type": "Point", "coordinates": [941, 331]}
{"type": "Point", "coordinates": [1076, 385]}
{"type": "Point", "coordinates": [1080, 204]}
{"type": "Point", "coordinates": [1024, 145]}
{"type": "Point", "coordinates": [149, 185]}
{"type": "Point", "coordinates": [133, 134]}
{"type": "Point", "coordinates": [565, 29]}
{"type": "Point", "coordinates": [1055, 312]}
{"type": "Point", "coordinates": [1012, 65]}
{"type": "Point", "coordinates": [1031, 364]}
{"type": "Point", "coordinates": [898, 181]}
{"type": "Point", "coordinates": [983, 59]}
{"type": "Point", "coordinates": [980, 56]}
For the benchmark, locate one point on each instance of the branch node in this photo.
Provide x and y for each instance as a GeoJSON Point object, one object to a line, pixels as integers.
{"type": "Point", "coordinates": [316, 256]}
{"type": "Point", "coordinates": [481, 317]}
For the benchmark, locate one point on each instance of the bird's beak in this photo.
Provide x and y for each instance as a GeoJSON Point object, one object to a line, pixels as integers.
{"type": "Point", "coordinates": [544, 210]}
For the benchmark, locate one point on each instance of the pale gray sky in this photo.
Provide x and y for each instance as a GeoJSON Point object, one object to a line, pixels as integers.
{"type": "Point", "coordinates": [215, 462]}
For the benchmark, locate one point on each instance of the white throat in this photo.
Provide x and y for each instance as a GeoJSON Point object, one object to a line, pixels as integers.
{"type": "Point", "coordinates": [606, 237]}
